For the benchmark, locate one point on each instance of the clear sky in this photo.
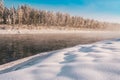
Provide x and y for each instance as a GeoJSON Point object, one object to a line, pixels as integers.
{"type": "Point", "coordinates": [103, 10]}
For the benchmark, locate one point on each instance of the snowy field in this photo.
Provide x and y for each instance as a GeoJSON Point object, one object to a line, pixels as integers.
{"type": "Point", "coordinates": [97, 61]}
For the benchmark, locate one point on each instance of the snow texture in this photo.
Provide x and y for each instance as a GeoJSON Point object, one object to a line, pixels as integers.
{"type": "Point", "coordinates": [97, 61]}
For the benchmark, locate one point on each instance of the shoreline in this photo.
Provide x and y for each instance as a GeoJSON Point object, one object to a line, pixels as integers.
{"type": "Point", "coordinates": [35, 31]}
{"type": "Point", "coordinates": [76, 59]}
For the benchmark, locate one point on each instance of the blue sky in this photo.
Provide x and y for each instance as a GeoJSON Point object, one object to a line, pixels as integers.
{"type": "Point", "coordinates": [103, 10]}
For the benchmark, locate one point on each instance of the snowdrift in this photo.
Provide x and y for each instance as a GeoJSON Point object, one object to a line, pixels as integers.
{"type": "Point", "coordinates": [97, 61]}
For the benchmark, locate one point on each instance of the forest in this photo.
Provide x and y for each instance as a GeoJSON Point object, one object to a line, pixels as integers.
{"type": "Point", "coordinates": [26, 15]}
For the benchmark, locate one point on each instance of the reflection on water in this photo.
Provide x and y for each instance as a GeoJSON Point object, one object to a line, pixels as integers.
{"type": "Point", "coordinates": [13, 47]}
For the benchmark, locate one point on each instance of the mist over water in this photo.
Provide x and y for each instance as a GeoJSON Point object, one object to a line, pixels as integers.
{"type": "Point", "coordinates": [17, 46]}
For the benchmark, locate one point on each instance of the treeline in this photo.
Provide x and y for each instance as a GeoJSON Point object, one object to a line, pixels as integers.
{"type": "Point", "coordinates": [25, 15]}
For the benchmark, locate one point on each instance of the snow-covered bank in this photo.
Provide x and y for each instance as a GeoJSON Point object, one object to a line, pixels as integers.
{"type": "Point", "coordinates": [34, 31]}
{"type": "Point", "coordinates": [97, 61]}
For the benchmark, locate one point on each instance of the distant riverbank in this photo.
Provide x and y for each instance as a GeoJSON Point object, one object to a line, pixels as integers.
{"type": "Point", "coordinates": [35, 31]}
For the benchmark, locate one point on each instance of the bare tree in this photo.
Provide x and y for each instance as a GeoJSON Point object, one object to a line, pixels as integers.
{"type": "Point", "coordinates": [1, 10]}
{"type": "Point", "coordinates": [20, 15]}
{"type": "Point", "coordinates": [29, 16]}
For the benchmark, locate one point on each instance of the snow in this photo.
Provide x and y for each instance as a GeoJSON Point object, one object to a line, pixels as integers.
{"type": "Point", "coordinates": [35, 31]}
{"type": "Point", "coordinates": [97, 61]}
